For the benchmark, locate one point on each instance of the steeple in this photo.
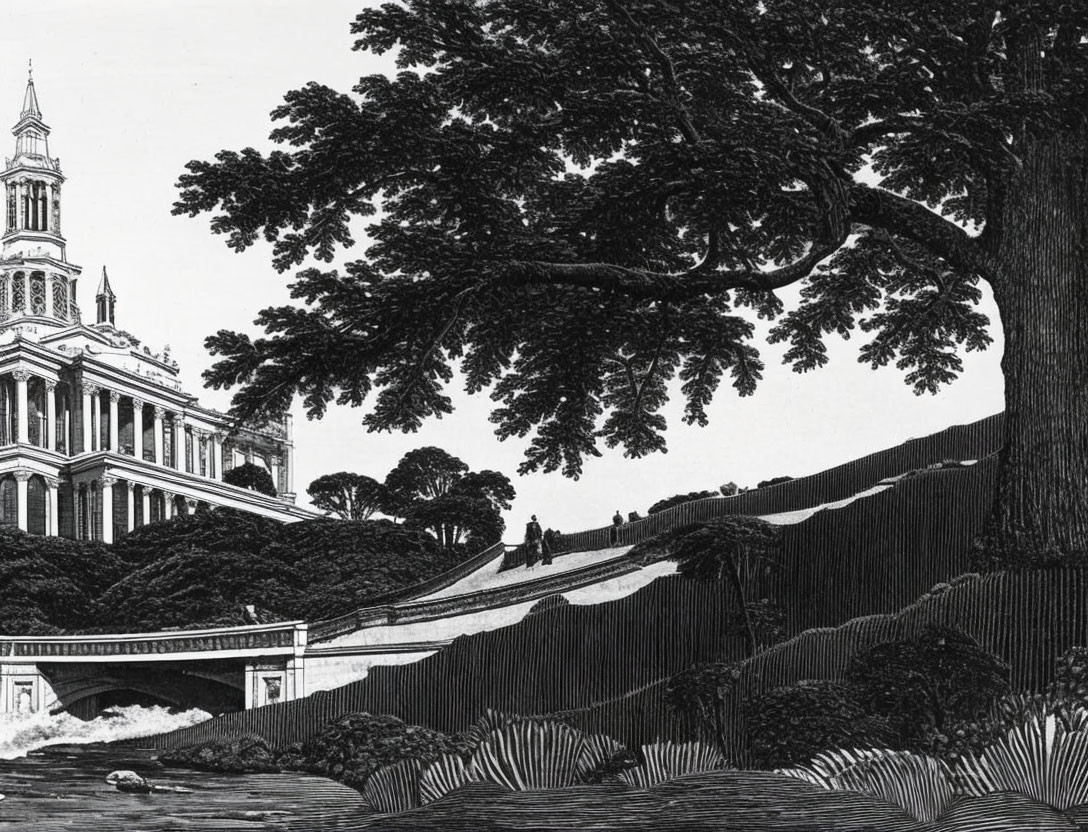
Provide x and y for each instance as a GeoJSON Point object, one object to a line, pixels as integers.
{"type": "Point", "coordinates": [30, 98]}
{"type": "Point", "coordinates": [105, 300]}
{"type": "Point", "coordinates": [36, 279]}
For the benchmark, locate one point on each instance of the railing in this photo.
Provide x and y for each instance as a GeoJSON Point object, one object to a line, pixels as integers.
{"type": "Point", "coordinates": [261, 637]}
{"type": "Point", "coordinates": [412, 612]}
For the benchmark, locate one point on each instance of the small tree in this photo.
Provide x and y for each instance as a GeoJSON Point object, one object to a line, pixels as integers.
{"type": "Point", "coordinates": [701, 693]}
{"type": "Point", "coordinates": [794, 723]}
{"type": "Point", "coordinates": [929, 686]}
{"type": "Point", "coordinates": [348, 496]}
{"type": "Point", "coordinates": [741, 552]}
{"type": "Point", "coordinates": [252, 477]}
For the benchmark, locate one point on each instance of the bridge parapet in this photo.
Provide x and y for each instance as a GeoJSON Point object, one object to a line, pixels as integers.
{"type": "Point", "coordinates": [287, 638]}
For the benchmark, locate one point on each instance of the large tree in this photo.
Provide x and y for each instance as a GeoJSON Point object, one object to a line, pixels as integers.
{"type": "Point", "coordinates": [348, 495]}
{"type": "Point", "coordinates": [577, 201]}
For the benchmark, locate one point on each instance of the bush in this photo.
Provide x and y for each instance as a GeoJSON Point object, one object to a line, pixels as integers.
{"type": "Point", "coordinates": [351, 748]}
{"type": "Point", "coordinates": [394, 788]}
{"type": "Point", "coordinates": [663, 761]}
{"type": "Point", "coordinates": [253, 477]}
{"type": "Point", "coordinates": [773, 481]}
{"type": "Point", "coordinates": [446, 774]}
{"type": "Point", "coordinates": [245, 755]}
{"type": "Point", "coordinates": [530, 756]}
{"type": "Point", "coordinates": [679, 499]}
{"type": "Point", "coordinates": [920, 785]}
{"type": "Point", "coordinates": [793, 724]}
{"type": "Point", "coordinates": [936, 689]}
{"type": "Point", "coordinates": [1071, 677]}
{"type": "Point", "coordinates": [1044, 759]}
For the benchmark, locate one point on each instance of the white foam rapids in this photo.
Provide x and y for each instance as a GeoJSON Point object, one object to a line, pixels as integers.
{"type": "Point", "coordinates": [22, 733]}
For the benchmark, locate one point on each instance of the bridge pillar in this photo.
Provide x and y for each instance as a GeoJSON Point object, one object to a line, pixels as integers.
{"type": "Point", "coordinates": [23, 689]}
{"type": "Point", "coordinates": [272, 679]}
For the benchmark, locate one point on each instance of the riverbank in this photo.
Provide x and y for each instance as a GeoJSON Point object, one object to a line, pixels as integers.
{"type": "Point", "coordinates": [62, 788]}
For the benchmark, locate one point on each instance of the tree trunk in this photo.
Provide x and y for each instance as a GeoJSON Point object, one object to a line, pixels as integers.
{"type": "Point", "coordinates": [1040, 511]}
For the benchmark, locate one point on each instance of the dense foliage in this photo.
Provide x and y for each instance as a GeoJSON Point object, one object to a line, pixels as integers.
{"type": "Point", "coordinates": [347, 496]}
{"type": "Point", "coordinates": [740, 553]}
{"type": "Point", "coordinates": [206, 569]}
{"type": "Point", "coordinates": [251, 476]}
{"type": "Point", "coordinates": [576, 203]}
{"type": "Point", "coordinates": [679, 499]}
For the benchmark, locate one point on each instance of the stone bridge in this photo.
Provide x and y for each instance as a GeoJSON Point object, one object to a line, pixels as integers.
{"type": "Point", "coordinates": [215, 670]}
{"type": "Point", "coordinates": [229, 669]}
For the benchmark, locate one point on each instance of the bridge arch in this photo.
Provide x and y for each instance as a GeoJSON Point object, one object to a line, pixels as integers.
{"type": "Point", "coordinates": [86, 689]}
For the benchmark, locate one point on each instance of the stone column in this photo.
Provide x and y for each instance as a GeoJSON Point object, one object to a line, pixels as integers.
{"type": "Point", "coordinates": [107, 482]}
{"type": "Point", "coordinates": [178, 426]}
{"type": "Point", "coordinates": [99, 398]}
{"type": "Point", "coordinates": [194, 455]}
{"type": "Point", "coordinates": [49, 294]}
{"type": "Point", "coordinates": [27, 306]}
{"type": "Point", "coordinates": [215, 456]}
{"type": "Point", "coordinates": [115, 441]}
{"type": "Point", "coordinates": [138, 428]}
{"type": "Point", "coordinates": [130, 488]}
{"type": "Point", "coordinates": [160, 412]}
{"type": "Point", "coordinates": [52, 488]}
{"type": "Point", "coordinates": [86, 414]}
{"type": "Point", "coordinates": [145, 504]}
{"type": "Point", "coordinates": [22, 434]}
{"type": "Point", "coordinates": [50, 416]}
{"type": "Point", "coordinates": [167, 505]}
{"type": "Point", "coordinates": [21, 479]}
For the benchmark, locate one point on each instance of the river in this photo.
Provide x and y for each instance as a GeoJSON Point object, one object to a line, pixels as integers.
{"type": "Point", "coordinates": [53, 770]}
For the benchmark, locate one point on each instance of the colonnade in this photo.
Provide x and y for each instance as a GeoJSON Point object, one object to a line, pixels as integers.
{"type": "Point", "coordinates": [108, 421]}
{"type": "Point", "coordinates": [101, 513]}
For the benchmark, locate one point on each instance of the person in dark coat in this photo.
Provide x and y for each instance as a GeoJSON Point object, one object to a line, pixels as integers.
{"type": "Point", "coordinates": [614, 532]}
{"type": "Point", "coordinates": [533, 537]}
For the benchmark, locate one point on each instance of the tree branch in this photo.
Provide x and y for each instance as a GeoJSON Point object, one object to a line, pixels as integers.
{"type": "Point", "coordinates": [895, 214]}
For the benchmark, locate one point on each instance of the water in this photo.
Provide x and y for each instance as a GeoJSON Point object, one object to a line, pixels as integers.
{"type": "Point", "coordinates": [62, 786]}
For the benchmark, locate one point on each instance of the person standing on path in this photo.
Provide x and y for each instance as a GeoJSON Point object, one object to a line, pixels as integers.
{"type": "Point", "coordinates": [533, 538]}
{"type": "Point", "coordinates": [614, 532]}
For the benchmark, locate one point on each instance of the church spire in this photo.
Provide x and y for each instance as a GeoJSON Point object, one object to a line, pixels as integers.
{"type": "Point", "coordinates": [105, 300]}
{"type": "Point", "coordinates": [30, 98]}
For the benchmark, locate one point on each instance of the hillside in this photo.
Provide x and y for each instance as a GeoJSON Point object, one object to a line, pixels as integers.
{"type": "Point", "coordinates": [873, 555]}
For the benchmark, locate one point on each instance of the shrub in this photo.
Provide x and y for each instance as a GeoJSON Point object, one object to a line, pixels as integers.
{"type": "Point", "coordinates": [530, 756]}
{"type": "Point", "coordinates": [1071, 676]}
{"type": "Point", "coordinates": [249, 754]}
{"type": "Point", "coordinates": [935, 689]}
{"type": "Point", "coordinates": [253, 477]}
{"type": "Point", "coordinates": [446, 774]}
{"type": "Point", "coordinates": [603, 758]}
{"type": "Point", "coordinates": [663, 761]}
{"type": "Point", "coordinates": [679, 499]}
{"type": "Point", "coordinates": [395, 788]}
{"type": "Point", "coordinates": [352, 747]}
{"type": "Point", "coordinates": [1044, 759]}
{"type": "Point", "coordinates": [920, 785]}
{"type": "Point", "coordinates": [792, 724]}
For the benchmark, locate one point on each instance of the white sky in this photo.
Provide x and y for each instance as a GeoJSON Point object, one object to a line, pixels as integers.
{"type": "Point", "coordinates": [134, 89]}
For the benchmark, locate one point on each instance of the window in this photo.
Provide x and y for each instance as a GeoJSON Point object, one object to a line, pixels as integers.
{"type": "Point", "coordinates": [37, 293]}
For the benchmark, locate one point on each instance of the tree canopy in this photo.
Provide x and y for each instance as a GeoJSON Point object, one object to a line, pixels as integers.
{"type": "Point", "coordinates": [575, 203]}
{"type": "Point", "coordinates": [347, 495]}
{"type": "Point", "coordinates": [253, 477]}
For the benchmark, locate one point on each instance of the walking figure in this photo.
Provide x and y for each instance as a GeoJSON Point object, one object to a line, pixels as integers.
{"type": "Point", "coordinates": [533, 538]}
{"type": "Point", "coordinates": [614, 532]}
{"type": "Point", "coordinates": [548, 544]}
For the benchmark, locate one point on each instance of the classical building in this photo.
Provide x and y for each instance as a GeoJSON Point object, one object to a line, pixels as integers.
{"type": "Point", "coordinates": [97, 436]}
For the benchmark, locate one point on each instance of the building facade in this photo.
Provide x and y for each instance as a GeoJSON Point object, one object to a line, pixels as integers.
{"type": "Point", "coordinates": [97, 436]}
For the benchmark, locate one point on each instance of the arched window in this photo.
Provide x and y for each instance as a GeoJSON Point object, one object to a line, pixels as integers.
{"type": "Point", "coordinates": [18, 292]}
{"type": "Point", "coordinates": [60, 298]}
{"type": "Point", "coordinates": [9, 507]}
{"type": "Point", "coordinates": [35, 505]}
{"type": "Point", "coordinates": [66, 510]}
{"type": "Point", "coordinates": [37, 293]}
{"type": "Point", "coordinates": [95, 510]}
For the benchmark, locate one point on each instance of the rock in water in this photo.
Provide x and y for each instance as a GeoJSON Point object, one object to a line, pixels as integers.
{"type": "Point", "coordinates": [128, 781]}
